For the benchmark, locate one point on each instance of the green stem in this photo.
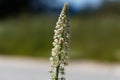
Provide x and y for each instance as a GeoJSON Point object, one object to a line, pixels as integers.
{"type": "Point", "coordinates": [57, 72]}
{"type": "Point", "coordinates": [58, 68]}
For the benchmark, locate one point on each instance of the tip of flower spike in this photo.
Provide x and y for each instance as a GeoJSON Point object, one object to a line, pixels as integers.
{"type": "Point", "coordinates": [65, 8]}
{"type": "Point", "coordinates": [66, 5]}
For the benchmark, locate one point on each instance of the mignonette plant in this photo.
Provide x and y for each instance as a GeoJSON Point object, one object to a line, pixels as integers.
{"type": "Point", "coordinates": [62, 34]}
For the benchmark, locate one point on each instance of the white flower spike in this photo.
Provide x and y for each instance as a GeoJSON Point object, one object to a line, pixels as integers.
{"type": "Point", "coordinates": [62, 34]}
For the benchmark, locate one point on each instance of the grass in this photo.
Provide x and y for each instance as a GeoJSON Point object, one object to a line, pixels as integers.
{"type": "Point", "coordinates": [93, 37]}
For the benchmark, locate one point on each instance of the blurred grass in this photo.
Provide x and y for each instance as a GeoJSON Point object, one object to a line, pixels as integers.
{"type": "Point", "coordinates": [93, 37]}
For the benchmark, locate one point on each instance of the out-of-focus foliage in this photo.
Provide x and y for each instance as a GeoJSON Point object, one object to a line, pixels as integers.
{"type": "Point", "coordinates": [111, 8]}
{"type": "Point", "coordinates": [94, 35]}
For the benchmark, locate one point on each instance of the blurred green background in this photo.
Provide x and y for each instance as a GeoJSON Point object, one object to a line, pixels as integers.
{"type": "Point", "coordinates": [95, 36]}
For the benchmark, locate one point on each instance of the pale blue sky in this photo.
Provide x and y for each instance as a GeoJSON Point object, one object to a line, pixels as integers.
{"type": "Point", "coordinates": [81, 4]}
{"type": "Point", "coordinates": [75, 5]}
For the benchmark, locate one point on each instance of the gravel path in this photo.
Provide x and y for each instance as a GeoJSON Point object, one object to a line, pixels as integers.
{"type": "Point", "coordinates": [28, 69]}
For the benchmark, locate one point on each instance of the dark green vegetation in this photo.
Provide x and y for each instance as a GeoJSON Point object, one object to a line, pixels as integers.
{"type": "Point", "coordinates": [96, 38]}
{"type": "Point", "coordinates": [93, 37]}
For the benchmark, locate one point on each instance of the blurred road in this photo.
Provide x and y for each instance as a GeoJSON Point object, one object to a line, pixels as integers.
{"type": "Point", "coordinates": [29, 69]}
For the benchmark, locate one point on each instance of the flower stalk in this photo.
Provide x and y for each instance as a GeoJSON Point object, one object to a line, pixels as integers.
{"type": "Point", "coordinates": [62, 34]}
